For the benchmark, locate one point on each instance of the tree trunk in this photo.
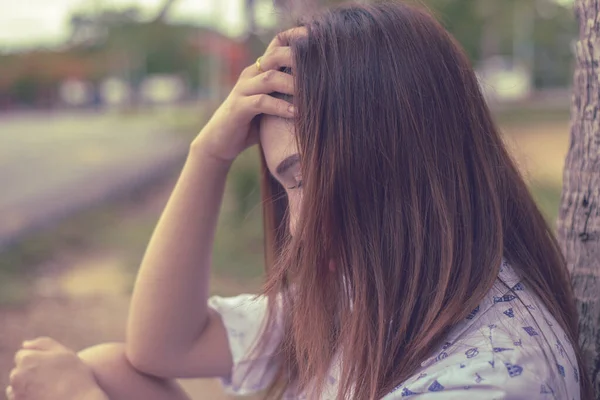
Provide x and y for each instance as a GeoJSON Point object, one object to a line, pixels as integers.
{"type": "Point", "coordinates": [164, 10]}
{"type": "Point", "coordinates": [579, 216]}
{"type": "Point", "coordinates": [250, 6]}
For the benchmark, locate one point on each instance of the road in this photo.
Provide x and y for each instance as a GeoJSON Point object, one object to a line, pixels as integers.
{"type": "Point", "coordinates": [53, 164]}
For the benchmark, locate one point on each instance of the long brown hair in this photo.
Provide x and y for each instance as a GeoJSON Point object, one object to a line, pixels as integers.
{"type": "Point", "coordinates": [408, 186]}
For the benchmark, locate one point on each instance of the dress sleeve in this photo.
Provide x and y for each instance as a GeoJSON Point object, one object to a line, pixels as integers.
{"type": "Point", "coordinates": [244, 317]}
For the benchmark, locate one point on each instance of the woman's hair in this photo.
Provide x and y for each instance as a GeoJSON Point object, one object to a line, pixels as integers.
{"type": "Point", "coordinates": [408, 186]}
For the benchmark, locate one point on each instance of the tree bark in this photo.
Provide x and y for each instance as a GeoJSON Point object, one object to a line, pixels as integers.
{"type": "Point", "coordinates": [579, 216]}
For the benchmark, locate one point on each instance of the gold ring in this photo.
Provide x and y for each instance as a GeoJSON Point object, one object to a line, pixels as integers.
{"type": "Point", "coordinates": [258, 66]}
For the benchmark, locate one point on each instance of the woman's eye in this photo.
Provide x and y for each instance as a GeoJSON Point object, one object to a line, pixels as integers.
{"type": "Point", "coordinates": [297, 186]}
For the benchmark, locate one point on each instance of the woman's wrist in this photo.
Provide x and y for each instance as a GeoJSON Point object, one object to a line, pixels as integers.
{"type": "Point", "coordinates": [199, 152]}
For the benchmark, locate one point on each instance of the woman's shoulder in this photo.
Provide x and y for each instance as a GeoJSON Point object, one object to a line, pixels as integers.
{"type": "Point", "coordinates": [509, 346]}
{"type": "Point", "coordinates": [496, 361]}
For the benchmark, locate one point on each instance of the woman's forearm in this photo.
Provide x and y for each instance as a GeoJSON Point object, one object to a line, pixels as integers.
{"type": "Point", "coordinates": [169, 305]}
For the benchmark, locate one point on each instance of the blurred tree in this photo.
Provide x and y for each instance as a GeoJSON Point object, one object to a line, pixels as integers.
{"type": "Point", "coordinates": [555, 31]}
{"type": "Point", "coordinates": [579, 217]}
{"type": "Point", "coordinates": [536, 33]}
{"type": "Point", "coordinates": [465, 20]}
{"type": "Point", "coordinates": [164, 10]}
{"type": "Point", "coordinates": [250, 9]}
{"type": "Point", "coordinates": [119, 43]}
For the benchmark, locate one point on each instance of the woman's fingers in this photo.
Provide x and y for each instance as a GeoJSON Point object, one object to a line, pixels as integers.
{"type": "Point", "coordinates": [284, 38]}
{"type": "Point", "coordinates": [265, 104]}
{"type": "Point", "coordinates": [10, 394]}
{"type": "Point", "coordinates": [277, 58]}
{"type": "Point", "coordinates": [268, 82]}
{"type": "Point", "coordinates": [25, 357]}
{"type": "Point", "coordinates": [273, 59]}
{"type": "Point", "coordinates": [42, 343]}
{"type": "Point", "coordinates": [256, 84]}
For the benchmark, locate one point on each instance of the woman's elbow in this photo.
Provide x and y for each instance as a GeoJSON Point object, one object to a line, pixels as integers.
{"type": "Point", "coordinates": [148, 361]}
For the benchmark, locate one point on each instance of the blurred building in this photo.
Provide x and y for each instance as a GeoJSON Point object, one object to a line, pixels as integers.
{"type": "Point", "coordinates": [122, 65]}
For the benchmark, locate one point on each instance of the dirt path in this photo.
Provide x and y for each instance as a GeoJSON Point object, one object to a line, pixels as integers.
{"type": "Point", "coordinates": [87, 155]}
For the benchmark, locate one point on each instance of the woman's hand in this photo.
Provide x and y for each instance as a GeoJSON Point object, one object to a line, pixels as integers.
{"type": "Point", "coordinates": [230, 130]}
{"type": "Point", "coordinates": [46, 370]}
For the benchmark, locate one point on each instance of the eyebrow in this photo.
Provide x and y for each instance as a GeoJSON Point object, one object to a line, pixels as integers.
{"type": "Point", "coordinates": [287, 164]}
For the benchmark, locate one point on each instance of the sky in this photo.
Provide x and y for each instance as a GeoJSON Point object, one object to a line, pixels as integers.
{"type": "Point", "coordinates": [27, 23]}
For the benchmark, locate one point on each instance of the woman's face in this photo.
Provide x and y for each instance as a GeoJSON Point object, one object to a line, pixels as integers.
{"type": "Point", "coordinates": [281, 154]}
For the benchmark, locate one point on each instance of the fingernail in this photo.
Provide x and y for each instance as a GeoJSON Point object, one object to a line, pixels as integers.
{"type": "Point", "coordinates": [291, 109]}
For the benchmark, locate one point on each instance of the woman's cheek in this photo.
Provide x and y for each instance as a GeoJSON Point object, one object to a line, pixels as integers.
{"type": "Point", "coordinates": [294, 204]}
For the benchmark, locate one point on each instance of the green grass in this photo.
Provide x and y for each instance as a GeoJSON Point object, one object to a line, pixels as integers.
{"type": "Point", "coordinates": [102, 227]}
{"type": "Point", "coordinates": [548, 200]}
{"type": "Point", "coordinates": [238, 252]}
{"type": "Point", "coordinates": [527, 116]}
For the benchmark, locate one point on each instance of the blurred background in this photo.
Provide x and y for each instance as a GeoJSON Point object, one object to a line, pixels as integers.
{"type": "Point", "coordinates": [99, 100]}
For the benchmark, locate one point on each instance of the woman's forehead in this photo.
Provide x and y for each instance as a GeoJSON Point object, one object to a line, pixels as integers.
{"type": "Point", "coordinates": [277, 140]}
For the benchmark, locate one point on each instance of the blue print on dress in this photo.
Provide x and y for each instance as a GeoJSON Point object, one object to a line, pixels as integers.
{"type": "Point", "coordinates": [473, 313]}
{"type": "Point", "coordinates": [509, 313]}
{"type": "Point", "coordinates": [472, 352]}
{"type": "Point", "coordinates": [505, 298]}
{"type": "Point", "coordinates": [518, 286]}
{"type": "Point", "coordinates": [513, 370]}
{"type": "Point", "coordinates": [441, 356]}
{"type": "Point", "coordinates": [236, 333]}
{"type": "Point", "coordinates": [560, 348]}
{"type": "Point", "coordinates": [435, 387]}
{"type": "Point", "coordinates": [561, 370]}
{"type": "Point", "coordinates": [478, 378]}
{"type": "Point", "coordinates": [544, 389]}
{"type": "Point", "coordinates": [407, 392]}
{"type": "Point", "coordinates": [501, 349]}
{"type": "Point", "coordinates": [576, 372]}
{"type": "Point", "coordinates": [256, 386]}
{"type": "Point", "coordinates": [530, 330]}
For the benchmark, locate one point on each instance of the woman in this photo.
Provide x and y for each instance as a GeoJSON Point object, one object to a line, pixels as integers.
{"type": "Point", "coordinates": [405, 256]}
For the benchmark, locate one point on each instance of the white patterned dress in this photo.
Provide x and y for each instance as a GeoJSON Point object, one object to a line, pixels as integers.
{"type": "Point", "coordinates": [509, 347]}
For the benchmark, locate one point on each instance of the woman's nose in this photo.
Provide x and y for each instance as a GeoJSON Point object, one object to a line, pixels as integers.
{"type": "Point", "coordinates": [292, 225]}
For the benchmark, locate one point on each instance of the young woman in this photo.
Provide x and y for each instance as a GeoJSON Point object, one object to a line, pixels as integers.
{"type": "Point", "coordinates": [405, 256]}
